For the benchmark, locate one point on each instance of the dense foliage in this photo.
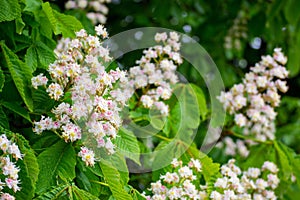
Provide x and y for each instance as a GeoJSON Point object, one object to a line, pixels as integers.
{"type": "Point", "coordinates": [77, 123]}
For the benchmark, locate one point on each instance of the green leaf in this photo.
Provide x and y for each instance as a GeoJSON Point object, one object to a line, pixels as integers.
{"type": "Point", "coordinates": [291, 11]}
{"type": "Point", "coordinates": [67, 25]}
{"type": "Point", "coordinates": [136, 195]}
{"type": "Point", "coordinates": [45, 28]}
{"type": "Point", "coordinates": [157, 121]}
{"type": "Point", "coordinates": [85, 21]}
{"type": "Point", "coordinates": [31, 58]}
{"type": "Point", "coordinates": [45, 54]}
{"type": "Point", "coordinates": [10, 91]}
{"type": "Point", "coordinates": [60, 23]}
{"type": "Point", "coordinates": [2, 79]}
{"type": "Point", "coordinates": [112, 177]}
{"type": "Point", "coordinates": [28, 178]}
{"type": "Point", "coordinates": [39, 55]}
{"type": "Point", "coordinates": [274, 9]}
{"type": "Point", "coordinates": [209, 169]}
{"type": "Point", "coordinates": [19, 25]}
{"type": "Point", "coordinates": [283, 159]}
{"type": "Point", "coordinates": [54, 193]}
{"type": "Point", "coordinates": [23, 42]}
{"type": "Point", "coordinates": [10, 10]}
{"type": "Point", "coordinates": [127, 145]}
{"type": "Point", "coordinates": [293, 64]}
{"type": "Point", "coordinates": [3, 119]}
{"type": "Point", "coordinates": [186, 111]}
{"type": "Point", "coordinates": [32, 165]}
{"type": "Point", "coordinates": [33, 5]}
{"type": "Point", "coordinates": [56, 161]}
{"type": "Point", "coordinates": [42, 143]}
{"type": "Point", "coordinates": [201, 100]}
{"type": "Point", "coordinates": [96, 170]}
{"type": "Point", "coordinates": [87, 180]}
{"type": "Point", "coordinates": [289, 162]}
{"type": "Point", "coordinates": [118, 161]}
{"type": "Point", "coordinates": [81, 194]}
{"type": "Point", "coordinates": [18, 109]}
{"type": "Point", "coordinates": [20, 73]}
{"type": "Point", "coordinates": [41, 101]}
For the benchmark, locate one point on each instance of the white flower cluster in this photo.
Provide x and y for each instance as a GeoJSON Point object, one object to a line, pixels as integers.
{"type": "Point", "coordinates": [155, 73]}
{"type": "Point", "coordinates": [234, 184]}
{"type": "Point", "coordinates": [255, 183]}
{"type": "Point", "coordinates": [79, 72]}
{"type": "Point", "coordinates": [237, 32]}
{"type": "Point", "coordinates": [97, 10]}
{"type": "Point", "coordinates": [8, 167]}
{"type": "Point", "coordinates": [179, 184]}
{"type": "Point", "coordinates": [252, 102]}
{"type": "Point", "coordinates": [87, 156]}
{"type": "Point", "coordinates": [235, 147]}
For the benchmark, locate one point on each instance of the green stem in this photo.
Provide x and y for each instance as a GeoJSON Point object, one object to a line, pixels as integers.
{"type": "Point", "coordinates": [60, 192]}
{"type": "Point", "coordinates": [163, 138]}
{"type": "Point", "coordinates": [58, 134]}
{"type": "Point", "coordinates": [229, 132]}
{"type": "Point", "coordinates": [100, 183]}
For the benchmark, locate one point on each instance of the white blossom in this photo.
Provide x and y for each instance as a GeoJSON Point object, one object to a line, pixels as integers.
{"type": "Point", "coordinates": [253, 101]}
{"type": "Point", "coordinates": [79, 72]}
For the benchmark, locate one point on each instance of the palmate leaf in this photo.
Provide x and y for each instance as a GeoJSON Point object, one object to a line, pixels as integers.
{"type": "Point", "coordinates": [113, 179]}
{"type": "Point", "coordinates": [127, 145]}
{"type": "Point", "coordinates": [39, 55]}
{"type": "Point", "coordinates": [57, 161]}
{"type": "Point", "coordinates": [20, 73]}
{"type": "Point", "coordinates": [54, 193]}
{"type": "Point", "coordinates": [79, 194]}
{"type": "Point", "coordinates": [10, 10]}
{"type": "Point", "coordinates": [61, 23]}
